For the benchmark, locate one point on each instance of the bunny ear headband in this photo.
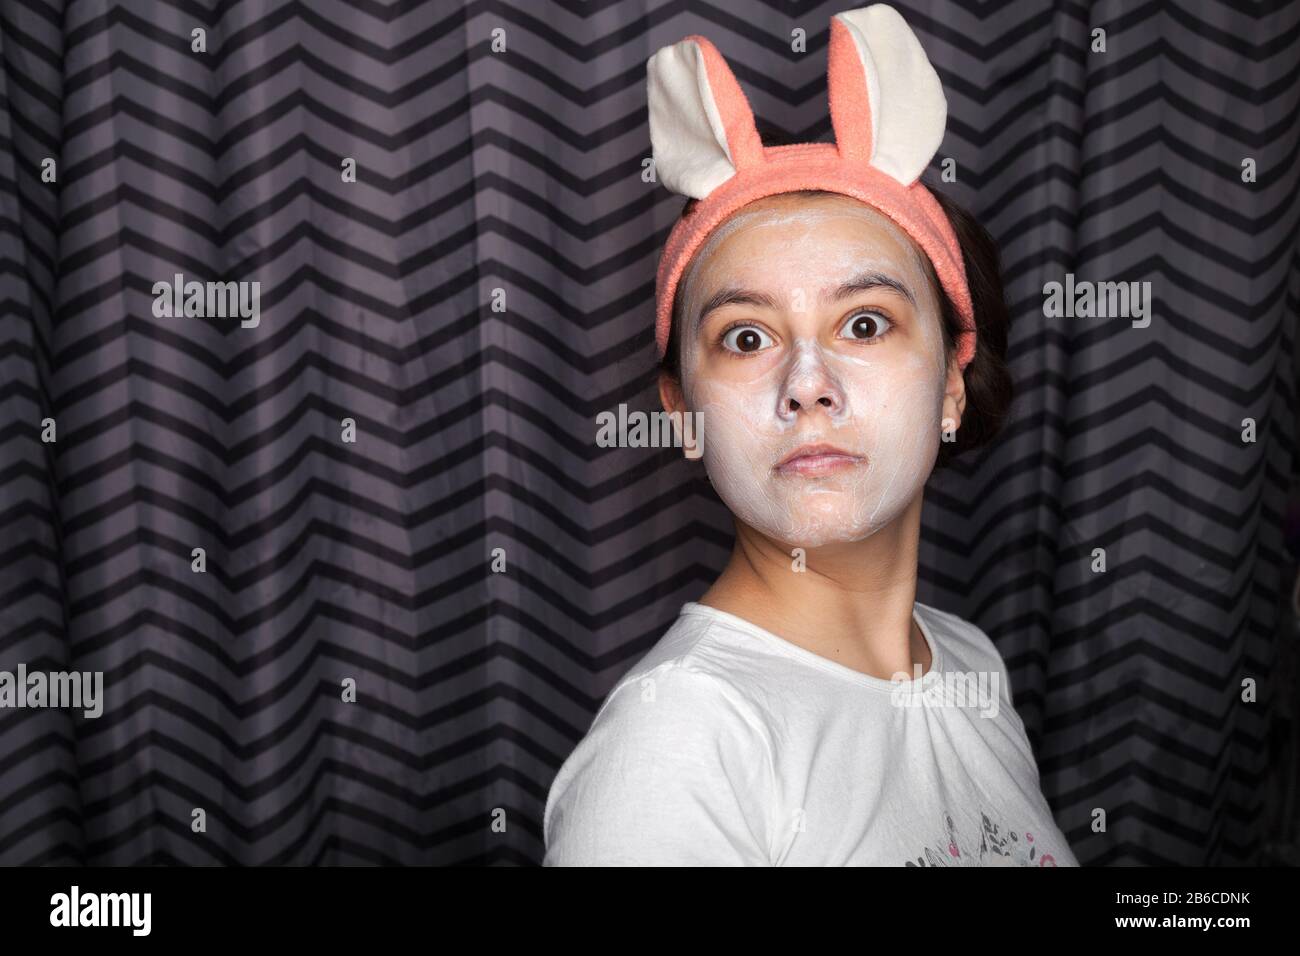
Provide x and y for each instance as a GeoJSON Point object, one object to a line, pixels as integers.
{"type": "Point", "coordinates": [888, 112]}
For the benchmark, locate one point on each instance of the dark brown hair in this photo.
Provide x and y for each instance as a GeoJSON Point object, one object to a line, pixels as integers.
{"type": "Point", "coordinates": [988, 381]}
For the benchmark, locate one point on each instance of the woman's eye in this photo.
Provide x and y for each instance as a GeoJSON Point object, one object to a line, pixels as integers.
{"type": "Point", "coordinates": [865, 325]}
{"type": "Point", "coordinates": [746, 338]}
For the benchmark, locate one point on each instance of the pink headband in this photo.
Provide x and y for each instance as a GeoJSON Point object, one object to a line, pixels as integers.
{"type": "Point", "coordinates": [888, 112]}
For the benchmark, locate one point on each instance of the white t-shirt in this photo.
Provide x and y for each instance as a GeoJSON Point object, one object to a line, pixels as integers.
{"type": "Point", "coordinates": [728, 745]}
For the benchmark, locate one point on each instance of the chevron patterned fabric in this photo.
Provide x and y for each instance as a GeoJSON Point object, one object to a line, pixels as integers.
{"type": "Point", "coordinates": [471, 302]}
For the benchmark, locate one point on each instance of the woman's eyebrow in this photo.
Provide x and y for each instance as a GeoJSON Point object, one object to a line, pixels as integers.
{"type": "Point", "coordinates": [734, 296]}
{"type": "Point", "coordinates": [868, 281]}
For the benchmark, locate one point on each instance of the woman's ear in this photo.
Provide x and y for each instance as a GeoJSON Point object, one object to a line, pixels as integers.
{"type": "Point", "coordinates": [954, 396]}
{"type": "Point", "coordinates": [688, 426]}
{"type": "Point", "coordinates": [670, 393]}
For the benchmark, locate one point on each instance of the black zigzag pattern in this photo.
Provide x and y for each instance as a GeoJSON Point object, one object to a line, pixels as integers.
{"type": "Point", "coordinates": [489, 178]}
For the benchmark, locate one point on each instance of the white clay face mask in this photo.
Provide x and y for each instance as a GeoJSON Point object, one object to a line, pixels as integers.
{"type": "Point", "coordinates": [877, 408]}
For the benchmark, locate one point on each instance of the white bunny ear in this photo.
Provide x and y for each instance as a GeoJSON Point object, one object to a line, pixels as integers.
{"type": "Point", "coordinates": [887, 104]}
{"type": "Point", "coordinates": [701, 127]}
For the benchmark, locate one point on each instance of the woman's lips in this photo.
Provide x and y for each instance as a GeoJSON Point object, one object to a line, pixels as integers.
{"type": "Point", "coordinates": [815, 460]}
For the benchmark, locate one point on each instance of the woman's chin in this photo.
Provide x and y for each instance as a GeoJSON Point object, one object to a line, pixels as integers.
{"type": "Point", "coordinates": [815, 515]}
{"type": "Point", "coordinates": [826, 532]}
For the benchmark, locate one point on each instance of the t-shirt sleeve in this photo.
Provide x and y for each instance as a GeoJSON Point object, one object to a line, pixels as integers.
{"type": "Point", "coordinates": [1007, 701]}
{"type": "Point", "coordinates": [674, 771]}
{"type": "Point", "coordinates": [1005, 677]}
{"type": "Point", "coordinates": [1004, 673]}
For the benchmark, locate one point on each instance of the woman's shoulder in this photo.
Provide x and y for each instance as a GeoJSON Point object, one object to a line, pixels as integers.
{"type": "Point", "coordinates": [677, 734]}
{"type": "Point", "coordinates": [697, 662]}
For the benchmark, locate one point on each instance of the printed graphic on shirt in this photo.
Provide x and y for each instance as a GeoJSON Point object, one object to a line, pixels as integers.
{"type": "Point", "coordinates": [997, 846]}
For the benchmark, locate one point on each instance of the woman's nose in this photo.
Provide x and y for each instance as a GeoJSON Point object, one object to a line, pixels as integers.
{"type": "Point", "coordinates": [809, 384]}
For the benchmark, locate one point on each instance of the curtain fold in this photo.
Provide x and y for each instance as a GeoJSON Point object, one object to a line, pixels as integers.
{"type": "Point", "coordinates": [417, 573]}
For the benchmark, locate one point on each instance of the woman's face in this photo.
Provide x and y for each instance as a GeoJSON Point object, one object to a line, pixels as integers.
{"type": "Point", "coordinates": [811, 346]}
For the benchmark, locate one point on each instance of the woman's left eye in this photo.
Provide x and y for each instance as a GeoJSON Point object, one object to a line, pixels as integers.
{"type": "Point", "coordinates": [865, 326]}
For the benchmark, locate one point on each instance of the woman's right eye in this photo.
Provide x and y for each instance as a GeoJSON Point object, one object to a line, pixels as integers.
{"type": "Point", "coordinates": [746, 338]}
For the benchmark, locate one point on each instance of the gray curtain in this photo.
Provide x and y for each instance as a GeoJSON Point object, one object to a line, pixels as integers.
{"type": "Point", "coordinates": [470, 304]}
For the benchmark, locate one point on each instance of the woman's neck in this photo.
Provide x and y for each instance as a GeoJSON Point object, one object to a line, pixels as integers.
{"type": "Point", "coordinates": [851, 603]}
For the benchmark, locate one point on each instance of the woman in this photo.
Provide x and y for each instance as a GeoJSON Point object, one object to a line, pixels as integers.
{"type": "Point", "coordinates": [833, 323]}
